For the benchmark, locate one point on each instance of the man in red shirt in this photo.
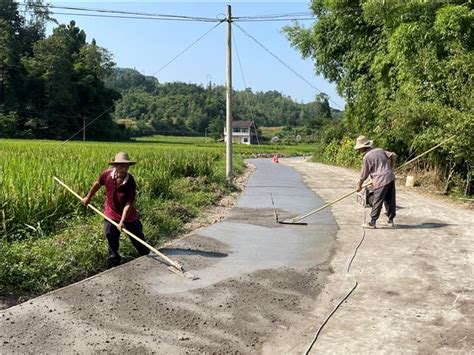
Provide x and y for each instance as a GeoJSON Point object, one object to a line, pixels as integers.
{"type": "Point", "coordinates": [378, 165]}
{"type": "Point", "coordinates": [120, 192]}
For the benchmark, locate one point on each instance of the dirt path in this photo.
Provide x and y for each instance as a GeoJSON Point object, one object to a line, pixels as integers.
{"type": "Point", "coordinates": [415, 282]}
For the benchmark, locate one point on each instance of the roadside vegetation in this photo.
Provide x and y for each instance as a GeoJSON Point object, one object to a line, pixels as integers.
{"type": "Point", "coordinates": [405, 69]}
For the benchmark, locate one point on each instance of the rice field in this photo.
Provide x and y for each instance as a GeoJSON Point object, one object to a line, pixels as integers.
{"type": "Point", "coordinates": [32, 200]}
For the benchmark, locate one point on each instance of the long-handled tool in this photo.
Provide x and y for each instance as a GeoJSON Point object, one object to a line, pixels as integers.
{"type": "Point", "coordinates": [298, 218]}
{"type": "Point", "coordinates": [174, 266]}
{"type": "Point", "coordinates": [283, 222]}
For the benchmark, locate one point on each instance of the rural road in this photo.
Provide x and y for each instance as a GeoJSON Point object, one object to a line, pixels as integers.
{"type": "Point", "coordinates": [266, 288]}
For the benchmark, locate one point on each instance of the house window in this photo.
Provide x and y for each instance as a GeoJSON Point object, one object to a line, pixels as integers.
{"type": "Point", "coordinates": [246, 140]}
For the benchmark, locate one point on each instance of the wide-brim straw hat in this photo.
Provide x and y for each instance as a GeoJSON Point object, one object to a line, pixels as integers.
{"type": "Point", "coordinates": [363, 142]}
{"type": "Point", "coordinates": [122, 158]}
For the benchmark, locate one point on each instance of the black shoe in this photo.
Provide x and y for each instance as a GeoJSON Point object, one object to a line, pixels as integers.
{"type": "Point", "coordinates": [113, 262]}
{"type": "Point", "coordinates": [390, 223]}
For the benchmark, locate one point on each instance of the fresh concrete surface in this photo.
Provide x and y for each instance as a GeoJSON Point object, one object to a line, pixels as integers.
{"type": "Point", "coordinates": [255, 276]}
{"type": "Point", "coordinates": [415, 282]}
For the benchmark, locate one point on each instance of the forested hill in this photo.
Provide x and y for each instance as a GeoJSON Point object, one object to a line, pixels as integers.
{"type": "Point", "coordinates": [149, 107]}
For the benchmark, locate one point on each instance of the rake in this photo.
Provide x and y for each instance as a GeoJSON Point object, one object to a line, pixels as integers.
{"type": "Point", "coordinates": [173, 265]}
{"type": "Point", "coordinates": [298, 218]}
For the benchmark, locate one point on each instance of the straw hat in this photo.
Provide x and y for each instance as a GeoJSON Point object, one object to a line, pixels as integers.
{"type": "Point", "coordinates": [122, 158]}
{"type": "Point", "coordinates": [363, 142]}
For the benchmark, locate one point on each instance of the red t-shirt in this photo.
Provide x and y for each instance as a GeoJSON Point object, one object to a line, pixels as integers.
{"type": "Point", "coordinates": [117, 197]}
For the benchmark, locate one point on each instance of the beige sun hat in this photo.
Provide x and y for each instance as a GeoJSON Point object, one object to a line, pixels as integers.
{"type": "Point", "coordinates": [122, 158]}
{"type": "Point", "coordinates": [363, 142]}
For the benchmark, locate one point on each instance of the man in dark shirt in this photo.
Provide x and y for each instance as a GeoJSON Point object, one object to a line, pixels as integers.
{"type": "Point", "coordinates": [378, 165]}
{"type": "Point", "coordinates": [120, 191]}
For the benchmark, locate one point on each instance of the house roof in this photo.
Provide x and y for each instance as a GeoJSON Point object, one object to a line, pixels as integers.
{"type": "Point", "coordinates": [242, 124]}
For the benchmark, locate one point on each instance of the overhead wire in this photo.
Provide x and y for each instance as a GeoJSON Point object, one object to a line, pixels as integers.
{"type": "Point", "coordinates": [279, 20]}
{"type": "Point", "coordinates": [285, 64]}
{"type": "Point", "coordinates": [245, 86]}
{"type": "Point", "coordinates": [296, 16]}
{"type": "Point", "coordinates": [144, 15]}
{"type": "Point", "coordinates": [188, 47]}
{"type": "Point", "coordinates": [291, 14]}
{"type": "Point", "coordinates": [125, 17]}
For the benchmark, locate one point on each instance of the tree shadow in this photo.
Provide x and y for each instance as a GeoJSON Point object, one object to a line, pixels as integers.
{"type": "Point", "coordinates": [428, 225]}
{"type": "Point", "coordinates": [189, 251]}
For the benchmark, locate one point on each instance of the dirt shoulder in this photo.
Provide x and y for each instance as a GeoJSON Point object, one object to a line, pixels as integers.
{"type": "Point", "coordinates": [415, 281]}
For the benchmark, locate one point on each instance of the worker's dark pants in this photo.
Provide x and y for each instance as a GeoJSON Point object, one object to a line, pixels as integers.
{"type": "Point", "coordinates": [113, 237]}
{"type": "Point", "coordinates": [384, 196]}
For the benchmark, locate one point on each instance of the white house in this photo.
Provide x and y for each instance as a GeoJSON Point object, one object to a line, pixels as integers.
{"type": "Point", "coordinates": [243, 132]}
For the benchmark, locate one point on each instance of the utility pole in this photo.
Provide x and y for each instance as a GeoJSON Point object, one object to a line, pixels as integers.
{"type": "Point", "coordinates": [228, 165]}
{"type": "Point", "coordinates": [84, 128]}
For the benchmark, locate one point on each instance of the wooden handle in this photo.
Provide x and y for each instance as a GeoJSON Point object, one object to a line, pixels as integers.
{"type": "Point", "coordinates": [168, 260]}
{"type": "Point", "coordinates": [365, 185]}
{"type": "Point", "coordinates": [296, 219]}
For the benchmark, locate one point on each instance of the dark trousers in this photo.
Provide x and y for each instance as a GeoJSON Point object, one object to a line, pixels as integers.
{"type": "Point", "coordinates": [113, 237]}
{"type": "Point", "coordinates": [384, 196]}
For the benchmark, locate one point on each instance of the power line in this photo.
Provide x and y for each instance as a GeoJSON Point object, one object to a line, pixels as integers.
{"type": "Point", "coordinates": [245, 86]}
{"type": "Point", "coordinates": [127, 17]}
{"type": "Point", "coordinates": [279, 20]}
{"type": "Point", "coordinates": [296, 16]}
{"type": "Point", "coordinates": [143, 15]}
{"type": "Point", "coordinates": [171, 19]}
{"type": "Point", "coordinates": [293, 14]}
{"type": "Point", "coordinates": [284, 64]}
{"type": "Point", "coordinates": [188, 47]}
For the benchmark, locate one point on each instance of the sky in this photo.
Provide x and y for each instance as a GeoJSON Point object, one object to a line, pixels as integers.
{"type": "Point", "coordinates": [149, 45]}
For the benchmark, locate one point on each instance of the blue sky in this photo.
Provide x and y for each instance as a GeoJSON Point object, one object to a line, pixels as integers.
{"type": "Point", "coordinates": [147, 45]}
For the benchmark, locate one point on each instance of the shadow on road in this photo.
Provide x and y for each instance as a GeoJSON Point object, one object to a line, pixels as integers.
{"type": "Point", "coordinates": [188, 251]}
{"type": "Point", "coordinates": [423, 226]}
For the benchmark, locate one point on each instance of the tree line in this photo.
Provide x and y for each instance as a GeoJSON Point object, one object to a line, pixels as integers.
{"type": "Point", "coordinates": [405, 69]}
{"type": "Point", "coordinates": [148, 107]}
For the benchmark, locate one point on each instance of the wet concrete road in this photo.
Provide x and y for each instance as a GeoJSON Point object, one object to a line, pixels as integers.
{"type": "Point", "coordinates": [255, 276]}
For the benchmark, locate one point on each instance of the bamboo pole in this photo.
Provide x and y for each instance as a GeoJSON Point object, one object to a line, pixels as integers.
{"type": "Point", "coordinates": [161, 255]}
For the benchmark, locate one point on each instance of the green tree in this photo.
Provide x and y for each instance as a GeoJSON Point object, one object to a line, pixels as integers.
{"type": "Point", "coordinates": [404, 67]}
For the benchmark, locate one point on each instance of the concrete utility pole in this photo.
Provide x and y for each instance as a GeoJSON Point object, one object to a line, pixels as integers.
{"type": "Point", "coordinates": [228, 165]}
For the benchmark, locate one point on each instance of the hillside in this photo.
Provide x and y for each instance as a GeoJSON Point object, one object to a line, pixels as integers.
{"type": "Point", "coordinates": [150, 107]}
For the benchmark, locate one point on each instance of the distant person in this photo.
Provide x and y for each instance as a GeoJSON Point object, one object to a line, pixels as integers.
{"type": "Point", "coordinates": [120, 191]}
{"type": "Point", "coordinates": [378, 165]}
